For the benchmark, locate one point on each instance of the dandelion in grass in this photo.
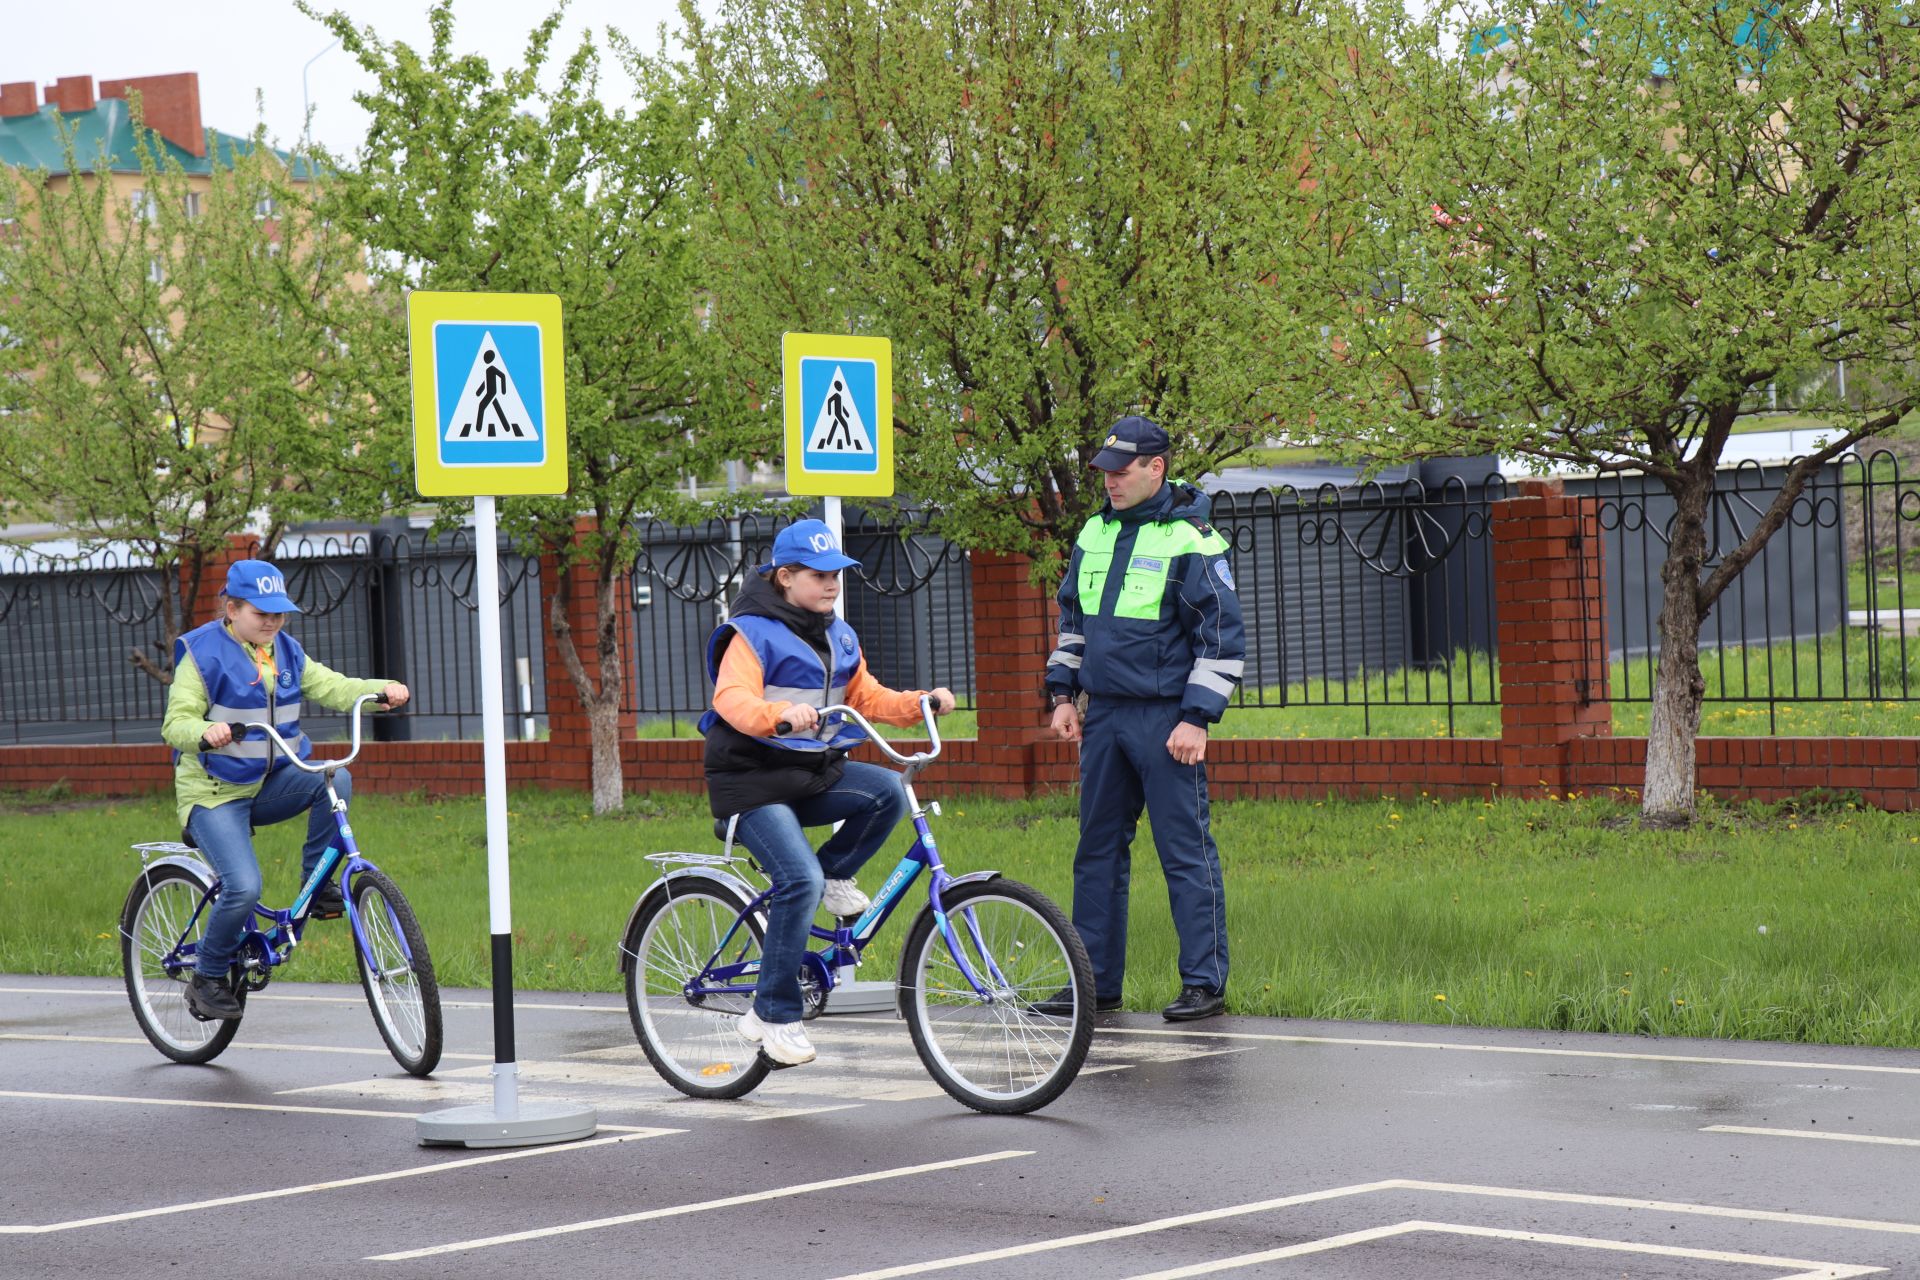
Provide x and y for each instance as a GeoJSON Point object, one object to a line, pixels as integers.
{"type": "Point", "coordinates": [1441, 996]}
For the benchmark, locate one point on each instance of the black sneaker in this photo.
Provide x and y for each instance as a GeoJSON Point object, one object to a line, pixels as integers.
{"type": "Point", "coordinates": [1195, 1003]}
{"type": "Point", "coordinates": [1060, 1004]}
{"type": "Point", "coordinates": [212, 1000]}
{"type": "Point", "coordinates": [326, 903]}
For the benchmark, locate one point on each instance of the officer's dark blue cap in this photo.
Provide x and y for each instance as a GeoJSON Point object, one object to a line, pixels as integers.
{"type": "Point", "coordinates": [1131, 437]}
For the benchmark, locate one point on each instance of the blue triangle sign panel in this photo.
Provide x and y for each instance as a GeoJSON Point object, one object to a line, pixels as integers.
{"type": "Point", "coordinates": [838, 398]}
{"type": "Point", "coordinates": [489, 397]}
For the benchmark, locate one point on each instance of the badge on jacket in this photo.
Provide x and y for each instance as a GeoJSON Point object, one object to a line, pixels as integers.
{"type": "Point", "coordinates": [846, 642]}
{"type": "Point", "coordinates": [1224, 574]}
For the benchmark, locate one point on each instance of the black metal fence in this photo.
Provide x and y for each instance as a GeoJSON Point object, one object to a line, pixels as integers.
{"type": "Point", "coordinates": [391, 603]}
{"type": "Point", "coordinates": [1826, 612]}
{"type": "Point", "coordinates": [911, 601]}
{"type": "Point", "coordinates": [1366, 596]}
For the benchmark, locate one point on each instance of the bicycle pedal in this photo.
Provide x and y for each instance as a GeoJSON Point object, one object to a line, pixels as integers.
{"type": "Point", "coordinates": [325, 915]}
{"type": "Point", "coordinates": [775, 1064]}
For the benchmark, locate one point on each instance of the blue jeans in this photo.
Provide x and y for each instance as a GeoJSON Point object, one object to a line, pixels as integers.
{"type": "Point", "coordinates": [225, 835]}
{"type": "Point", "coordinates": [870, 802]}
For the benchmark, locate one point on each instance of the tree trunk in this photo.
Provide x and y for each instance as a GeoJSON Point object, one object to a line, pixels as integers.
{"type": "Point", "coordinates": [1667, 797]}
{"type": "Point", "coordinates": [603, 710]}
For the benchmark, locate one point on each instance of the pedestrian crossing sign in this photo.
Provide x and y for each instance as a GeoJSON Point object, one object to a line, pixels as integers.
{"type": "Point", "coordinates": [489, 407]}
{"type": "Point", "coordinates": [839, 415]}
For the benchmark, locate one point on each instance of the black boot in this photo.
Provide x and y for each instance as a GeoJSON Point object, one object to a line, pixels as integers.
{"type": "Point", "coordinates": [1060, 1004]}
{"type": "Point", "coordinates": [1195, 1003]}
{"type": "Point", "coordinates": [212, 1000]}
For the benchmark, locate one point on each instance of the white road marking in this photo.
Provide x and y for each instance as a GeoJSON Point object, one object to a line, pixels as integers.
{"type": "Point", "coordinates": [753, 1197]}
{"type": "Point", "coordinates": [1808, 1133]}
{"type": "Point", "coordinates": [121, 993]}
{"type": "Point", "coordinates": [334, 1185]}
{"type": "Point", "coordinates": [267, 1106]}
{"type": "Point", "coordinates": [1808, 1270]}
{"type": "Point", "coordinates": [641, 1096]}
{"type": "Point", "coordinates": [1452, 1046]}
{"type": "Point", "coordinates": [1391, 1184]}
{"type": "Point", "coordinates": [242, 1044]}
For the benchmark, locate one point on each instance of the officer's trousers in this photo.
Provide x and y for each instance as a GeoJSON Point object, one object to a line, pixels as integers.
{"type": "Point", "coordinates": [1124, 766]}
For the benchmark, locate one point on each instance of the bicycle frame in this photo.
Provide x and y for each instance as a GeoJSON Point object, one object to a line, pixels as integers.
{"type": "Point", "coordinates": [272, 948]}
{"type": "Point", "coordinates": [845, 945]}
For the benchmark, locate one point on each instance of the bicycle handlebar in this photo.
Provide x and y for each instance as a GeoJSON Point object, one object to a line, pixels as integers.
{"type": "Point", "coordinates": [915, 760]}
{"type": "Point", "coordinates": [326, 766]}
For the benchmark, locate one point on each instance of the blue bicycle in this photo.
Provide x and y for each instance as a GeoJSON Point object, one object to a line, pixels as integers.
{"type": "Point", "coordinates": [167, 910]}
{"type": "Point", "coordinates": [982, 958]}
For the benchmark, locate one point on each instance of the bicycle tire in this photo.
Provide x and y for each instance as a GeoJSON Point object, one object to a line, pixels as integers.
{"type": "Point", "coordinates": [405, 996]}
{"type": "Point", "coordinates": [695, 1046]}
{"type": "Point", "coordinates": [152, 923]}
{"type": "Point", "coordinates": [999, 1055]}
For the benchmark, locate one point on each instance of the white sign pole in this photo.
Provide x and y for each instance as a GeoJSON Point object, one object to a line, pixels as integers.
{"type": "Point", "coordinates": [493, 755]}
{"type": "Point", "coordinates": [830, 514]}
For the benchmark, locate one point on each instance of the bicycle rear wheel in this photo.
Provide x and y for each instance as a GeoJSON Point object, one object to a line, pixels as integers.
{"type": "Point", "coordinates": [153, 925]}
{"type": "Point", "coordinates": [692, 1041]}
{"type": "Point", "coordinates": [998, 1053]}
{"type": "Point", "coordinates": [396, 972]}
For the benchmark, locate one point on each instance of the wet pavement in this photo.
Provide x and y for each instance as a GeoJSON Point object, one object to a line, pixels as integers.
{"type": "Point", "coordinates": [1245, 1147]}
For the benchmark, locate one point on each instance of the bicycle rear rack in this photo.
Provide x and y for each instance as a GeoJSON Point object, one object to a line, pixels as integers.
{"type": "Point", "coordinates": [695, 859]}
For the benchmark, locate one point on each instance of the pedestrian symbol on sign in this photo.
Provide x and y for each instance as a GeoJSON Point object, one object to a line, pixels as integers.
{"type": "Point", "coordinates": [838, 398]}
{"type": "Point", "coordinates": [489, 384]}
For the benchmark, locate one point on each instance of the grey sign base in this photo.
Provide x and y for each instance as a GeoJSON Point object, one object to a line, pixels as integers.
{"type": "Point", "coordinates": [861, 997]}
{"type": "Point", "coordinates": [480, 1126]}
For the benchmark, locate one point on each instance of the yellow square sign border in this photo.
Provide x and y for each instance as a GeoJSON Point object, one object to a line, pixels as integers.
{"type": "Point", "coordinates": [431, 477]}
{"type": "Point", "coordinates": [795, 347]}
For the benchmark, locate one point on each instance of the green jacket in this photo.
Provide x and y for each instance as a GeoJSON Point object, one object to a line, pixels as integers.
{"type": "Point", "coordinates": [186, 720]}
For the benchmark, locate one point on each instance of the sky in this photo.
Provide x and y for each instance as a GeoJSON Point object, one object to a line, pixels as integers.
{"type": "Point", "coordinates": [250, 53]}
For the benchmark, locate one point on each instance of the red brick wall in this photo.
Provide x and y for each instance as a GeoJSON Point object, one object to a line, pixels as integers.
{"type": "Point", "coordinates": [18, 99]}
{"type": "Point", "coordinates": [71, 94]}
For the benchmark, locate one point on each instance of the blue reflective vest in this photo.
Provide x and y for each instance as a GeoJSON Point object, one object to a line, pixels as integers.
{"type": "Point", "coordinates": [794, 672]}
{"type": "Point", "coordinates": [237, 690]}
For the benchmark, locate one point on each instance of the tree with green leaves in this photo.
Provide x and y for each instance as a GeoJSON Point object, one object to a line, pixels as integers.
{"type": "Point", "coordinates": [1059, 212]}
{"type": "Point", "coordinates": [1591, 235]}
{"type": "Point", "coordinates": [480, 178]}
{"type": "Point", "coordinates": [176, 360]}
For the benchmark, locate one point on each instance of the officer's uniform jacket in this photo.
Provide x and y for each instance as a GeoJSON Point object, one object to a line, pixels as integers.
{"type": "Point", "coordinates": [1148, 608]}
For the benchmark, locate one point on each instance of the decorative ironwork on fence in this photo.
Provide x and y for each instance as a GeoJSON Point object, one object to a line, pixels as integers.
{"type": "Point", "coordinates": [1367, 596]}
{"type": "Point", "coordinates": [911, 600]}
{"type": "Point", "coordinates": [1824, 612]}
{"type": "Point", "coordinates": [390, 603]}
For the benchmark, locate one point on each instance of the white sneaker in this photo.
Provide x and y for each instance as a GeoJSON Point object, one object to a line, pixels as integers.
{"type": "Point", "coordinates": [784, 1042]}
{"type": "Point", "coordinates": [843, 898]}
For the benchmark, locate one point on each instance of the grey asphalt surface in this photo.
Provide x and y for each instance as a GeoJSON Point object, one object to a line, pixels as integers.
{"type": "Point", "coordinates": [1312, 1150]}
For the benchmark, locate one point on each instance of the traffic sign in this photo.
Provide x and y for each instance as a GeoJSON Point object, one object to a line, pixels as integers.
{"type": "Point", "coordinates": [489, 400]}
{"type": "Point", "coordinates": [839, 415]}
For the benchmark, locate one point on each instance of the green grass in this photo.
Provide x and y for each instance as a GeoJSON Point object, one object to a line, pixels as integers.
{"type": "Point", "coordinates": [1523, 914]}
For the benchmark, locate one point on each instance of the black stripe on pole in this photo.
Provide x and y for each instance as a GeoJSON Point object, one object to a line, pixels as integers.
{"type": "Point", "coordinates": [503, 997]}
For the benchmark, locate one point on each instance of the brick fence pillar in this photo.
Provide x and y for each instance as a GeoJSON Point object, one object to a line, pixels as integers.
{"type": "Point", "coordinates": [1013, 632]}
{"type": "Point", "coordinates": [570, 734]}
{"type": "Point", "coordinates": [1550, 600]}
{"type": "Point", "coordinates": [203, 604]}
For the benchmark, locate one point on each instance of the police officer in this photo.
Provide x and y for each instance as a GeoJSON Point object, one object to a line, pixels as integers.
{"type": "Point", "coordinates": [1150, 631]}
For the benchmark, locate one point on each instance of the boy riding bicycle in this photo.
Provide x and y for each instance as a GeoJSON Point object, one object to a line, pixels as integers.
{"type": "Point", "coordinates": [244, 667]}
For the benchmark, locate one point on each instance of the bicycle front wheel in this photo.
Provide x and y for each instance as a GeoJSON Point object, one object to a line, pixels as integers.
{"type": "Point", "coordinates": [996, 1051]}
{"type": "Point", "coordinates": [396, 972]}
{"type": "Point", "coordinates": [694, 1042]}
{"type": "Point", "coordinates": [154, 925]}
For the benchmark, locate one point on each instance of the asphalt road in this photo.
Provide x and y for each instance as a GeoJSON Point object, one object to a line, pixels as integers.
{"type": "Point", "coordinates": [1247, 1148]}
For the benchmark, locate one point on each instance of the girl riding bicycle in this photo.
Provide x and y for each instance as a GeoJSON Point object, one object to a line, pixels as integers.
{"type": "Point", "coordinates": [242, 667]}
{"type": "Point", "coordinates": [780, 657]}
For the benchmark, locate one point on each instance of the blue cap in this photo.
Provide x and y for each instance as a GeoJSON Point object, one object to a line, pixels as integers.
{"type": "Point", "coordinates": [1131, 437]}
{"type": "Point", "coordinates": [809, 543]}
{"type": "Point", "coordinates": [261, 585]}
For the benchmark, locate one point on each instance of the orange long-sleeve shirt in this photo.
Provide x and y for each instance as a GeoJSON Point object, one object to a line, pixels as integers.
{"type": "Point", "coordinates": [739, 695]}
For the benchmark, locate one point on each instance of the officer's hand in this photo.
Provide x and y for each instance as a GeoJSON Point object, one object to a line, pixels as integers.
{"type": "Point", "coordinates": [942, 701]}
{"type": "Point", "coordinates": [1066, 722]}
{"type": "Point", "coordinates": [1187, 743]}
{"type": "Point", "coordinates": [800, 716]}
{"type": "Point", "coordinates": [218, 734]}
{"type": "Point", "coordinates": [396, 695]}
